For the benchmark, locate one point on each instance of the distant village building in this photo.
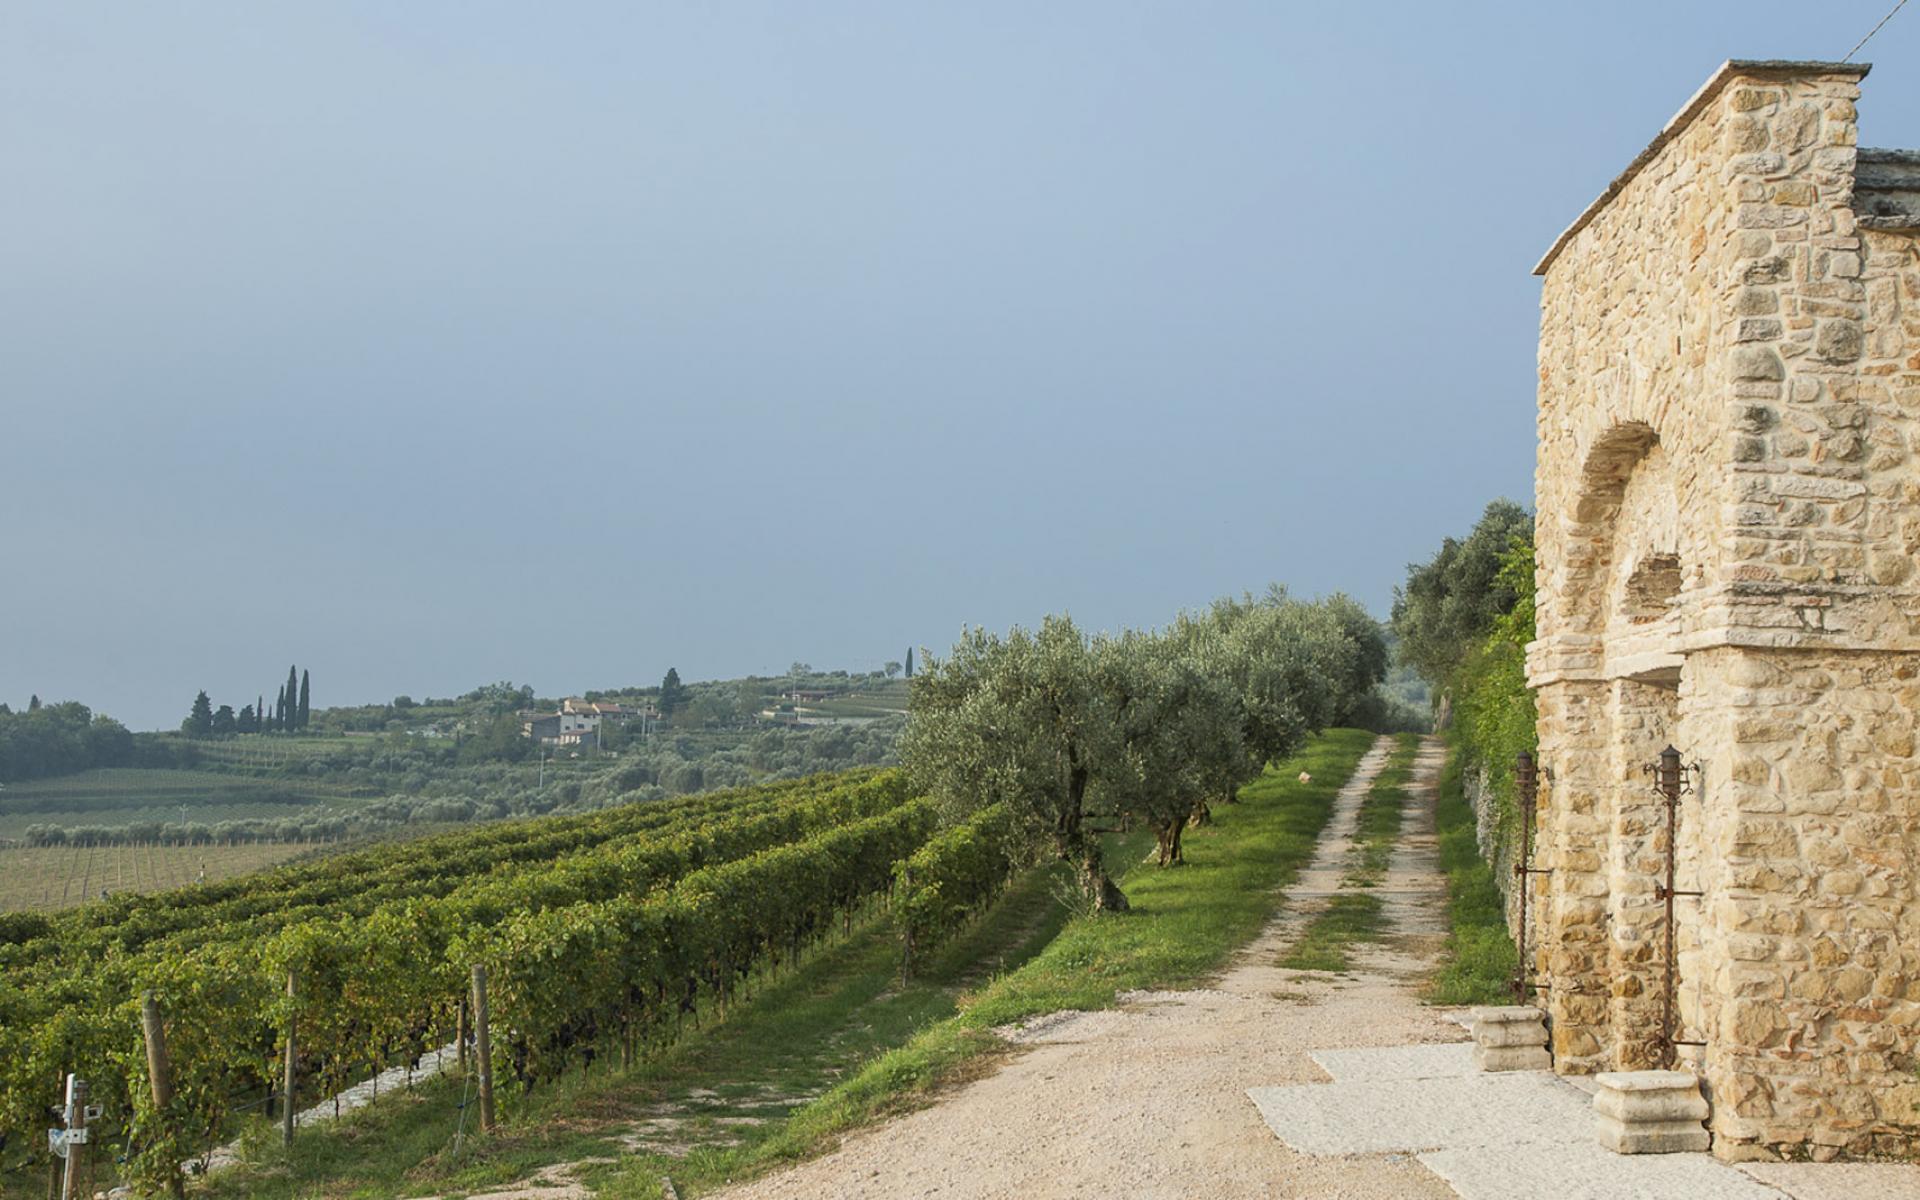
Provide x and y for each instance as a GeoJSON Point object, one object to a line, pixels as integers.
{"type": "Point", "coordinates": [598, 708]}
{"type": "Point", "coordinates": [578, 721]}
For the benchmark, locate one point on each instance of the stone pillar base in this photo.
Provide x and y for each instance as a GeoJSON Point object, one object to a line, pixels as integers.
{"type": "Point", "coordinates": [1510, 1038]}
{"type": "Point", "coordinates": [1650, 1112]}
{"type": "Point", "coordinates": [1512, 1058]}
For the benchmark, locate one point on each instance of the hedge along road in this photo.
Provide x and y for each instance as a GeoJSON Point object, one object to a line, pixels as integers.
{"type": "Point", "coordinates": [1148, 1100]}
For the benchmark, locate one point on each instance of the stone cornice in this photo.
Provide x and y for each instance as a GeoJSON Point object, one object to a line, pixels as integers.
{"type": "Point", "coordinates": [1733, 68]}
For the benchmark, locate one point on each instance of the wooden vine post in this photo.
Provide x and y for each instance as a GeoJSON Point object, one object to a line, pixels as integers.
{"type": "Point", "coordinates": [483, 1046]}
{"type": "Point", "coordinates": [287, 1080]}
{"type": "Point", "coordinates": [76, 1114]}
{"type": "Point", "coordinates": [159, 1073]}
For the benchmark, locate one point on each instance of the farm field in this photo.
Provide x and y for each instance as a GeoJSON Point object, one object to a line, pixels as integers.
{"type": "Point", "coordinates": [889, 700]}
{"type": "Point", "coordinates": [116, 796]}
{"type": "Point", "coordinates": [46, 878]}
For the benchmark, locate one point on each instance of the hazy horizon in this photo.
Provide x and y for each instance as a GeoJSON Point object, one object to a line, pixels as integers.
{"type": "Point", "coordinates": [437, 345]}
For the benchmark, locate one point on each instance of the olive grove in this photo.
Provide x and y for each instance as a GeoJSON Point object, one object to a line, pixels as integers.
{"type": "Point", "coordinates": [1078, 734]}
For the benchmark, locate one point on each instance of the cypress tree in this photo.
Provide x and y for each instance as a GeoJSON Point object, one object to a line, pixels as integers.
{"type": "Point", "coordinates": [199, 722]}
{"type": "Point", "coordinates": [293, 700]}
{"type": "Point", "coordinates": [280, 710]}
{"type": "Point", "coordinates": [909, 662]}
{"type": "Point", "coordinates": [302, 722]}
{"type": "Point", "coordinates": [260, 714]}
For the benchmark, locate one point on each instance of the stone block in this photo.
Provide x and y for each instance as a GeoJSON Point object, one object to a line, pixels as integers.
{"type": "Point", "coordinates": [1670, 1137]}
{"type": "Point", "coordinates": [1517, 1033]}
{"type": "Point", "coordinates": [1650, 1112]}
{"type": "Point", "coordinates": [1636, 1108]}
{"type": "Point", "coordinates": [1505, 1014]}
{"type": "Point", "coordinates": [1509, 1027]}
{"type": "Point", "coordinates": [1511, 1058]}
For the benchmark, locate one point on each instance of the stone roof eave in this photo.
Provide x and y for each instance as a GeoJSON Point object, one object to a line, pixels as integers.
{"type": "Point", "coordinates": [1733, 68]}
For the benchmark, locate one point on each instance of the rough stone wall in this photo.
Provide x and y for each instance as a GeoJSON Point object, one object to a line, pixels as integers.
{"type": "Point", "coordinates": [1487, 833]}
{"type": "Point", "coordinates": [1630, 353]}
{"type": "Point", "coordinates": [1812, 833]}
{"type": "Point", "coordinates": [1728, 518]}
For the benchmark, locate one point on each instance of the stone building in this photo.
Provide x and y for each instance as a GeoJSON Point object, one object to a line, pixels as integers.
{"type": "Point", "coordinates": [1728, 498]}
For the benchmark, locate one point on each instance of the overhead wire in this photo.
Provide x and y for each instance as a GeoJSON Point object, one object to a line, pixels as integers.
{"type": "Point", "coordinates": [1876, 29]}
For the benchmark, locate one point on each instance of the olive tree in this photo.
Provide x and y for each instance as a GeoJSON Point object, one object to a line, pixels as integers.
{"type": "Point", "coordinates": [1017, 720]}
{"type": "Point", "coordinates": [1177, 723]}
{"type": "Point", "coordinates": [1366, 665]}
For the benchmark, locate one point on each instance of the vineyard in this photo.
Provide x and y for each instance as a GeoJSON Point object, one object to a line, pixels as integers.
{"type": "Point", "coordinates": [602, 934]}
{"type": "Point", "coordinates": [56, 877]}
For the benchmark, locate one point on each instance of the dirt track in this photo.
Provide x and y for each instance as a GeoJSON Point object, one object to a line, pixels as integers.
{"type": "Point", "coordinates": [1148, 1100]}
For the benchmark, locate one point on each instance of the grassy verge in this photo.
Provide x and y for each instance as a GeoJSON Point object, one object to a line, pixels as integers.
{"type": "Point", "coordinates": [1356, 916]}
{"type": "Point", "coordinates": [1480, 957]}
{"type": "Point", "coordinates": [1183, 925]}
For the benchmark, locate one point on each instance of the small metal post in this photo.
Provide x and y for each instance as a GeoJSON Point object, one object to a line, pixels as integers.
{"type": "Point", "coordinates": [1527, 786]}
{"type": "Point", "coordinates": [460, 1036]}
{"type": "Point", "coordinates": [1525, 783]}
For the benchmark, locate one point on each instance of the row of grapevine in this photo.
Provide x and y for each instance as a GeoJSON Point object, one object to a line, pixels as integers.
{"type": "Point", "coordinates": [567, 977]}
{"type": "Point", "coordinates": [955, 875]}
{"type": "Point", "coordinates": [426, 867]}
{"type": "Point", "coordinates": [598, 940]}
{"type": "Point", "coordinates": [630, 863]}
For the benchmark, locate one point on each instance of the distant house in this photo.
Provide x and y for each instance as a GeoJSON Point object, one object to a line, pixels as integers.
{"type": "Point", "coordinates": [806, 696]}
{"type": "Point", "coordinates": [607, 710]}
{"type": "Point", "coordinates": [544, 729]}
{"type": "Point", "coordinates": [578, 721]}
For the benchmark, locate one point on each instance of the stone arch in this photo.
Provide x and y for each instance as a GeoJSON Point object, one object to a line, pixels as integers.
{"type": "Point", "coordinates": [1593, 522]}
{"type": "Point", "coordinates": [1629, 549]}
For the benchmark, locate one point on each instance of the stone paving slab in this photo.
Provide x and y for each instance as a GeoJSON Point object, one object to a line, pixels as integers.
{"type": "Point", "coordinates": [1582, 1170]}
{"type": "Point", "coordinates": [1840, 1181]}
{"type": "Point", "coordinates": [1524, 1133]}
{"type": "Point", "coordinates": [1383, 1116]}
{"type": "Point", "coordinates": [1439, 1060]}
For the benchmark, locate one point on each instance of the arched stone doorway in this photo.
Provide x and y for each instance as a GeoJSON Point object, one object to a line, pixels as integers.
{"type": "Point", "coordinates": [1623, 594]}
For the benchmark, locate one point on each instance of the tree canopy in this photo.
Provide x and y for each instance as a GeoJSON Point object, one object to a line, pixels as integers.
{"type": "Point", "coordinates": [1072, 733]}
{"type": "Point", "coordinates": [673, 693]}
{"type": "Point", "coordinates": [1450, 601]}
{"type": "Point", "coordinates": [59, 739]}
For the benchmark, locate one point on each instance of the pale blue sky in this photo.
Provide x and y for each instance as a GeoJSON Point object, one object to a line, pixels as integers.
{"type": "Point", "coordinates": [431, 344]}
